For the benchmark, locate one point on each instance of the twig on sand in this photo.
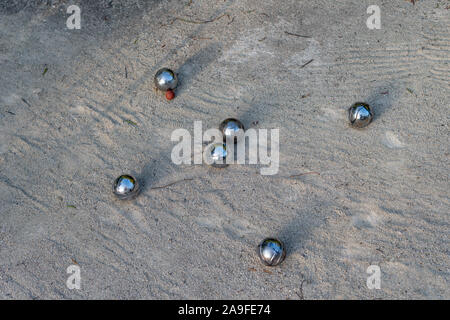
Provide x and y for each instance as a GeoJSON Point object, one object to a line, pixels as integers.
{"type": "Point", "coordinates": [411, 91]}
{"type": "Point", "coordinates": [203, 21]}
{"type": "Point", "coordinates": [126, 72]}
{"type": "Point", "coordinates": [307, 63]}
{"type": "Point", "coordinates": [296, 35]}
{"type": "Point", "coordinates": [171, 184]}
{"type": "Point", "coordinates": [130, 122]}
{"type": "Point", "coordinates": [202, 38]}
{"type": "Point", "coordinates": [294, 176]}
{"type": "Point", "coordinates": [304, 173]}
{"type": "Point", "coordinates": [301, 295]}
{"type": "Point", "coordinates": [26, 102]}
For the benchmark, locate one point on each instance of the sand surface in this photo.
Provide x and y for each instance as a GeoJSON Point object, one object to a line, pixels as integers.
{"type": "Point", "coordinates": [378, 196]}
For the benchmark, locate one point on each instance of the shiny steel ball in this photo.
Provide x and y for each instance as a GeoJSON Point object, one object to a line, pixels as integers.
{"type": "Point", "coordinates": [271, 251]}
{"type": "Point", "coordinates": [126, 187]}
{"type": "Point", "coordinates": [360, 115]}
{"type": "Point", "coordinates": [217, 155]}
{"type": "Point", "coordinates": [165, 79]}
{"type": "Point", "coordinates": [232, 130]}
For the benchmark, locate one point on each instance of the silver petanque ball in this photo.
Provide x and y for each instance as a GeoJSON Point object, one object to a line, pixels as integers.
{"type": "Point", "coordinates": [232, 130]}
{"type": "Point", "coordinates": [217, 154]}
{"type": "Point", "coordinates": [360, 115]}
{"type": "Point", "coordinates": [165, 79]}
{"type": "Point", "coordinates": [126, 187]}
{"type": "Point", "coordinates": [271, 251]}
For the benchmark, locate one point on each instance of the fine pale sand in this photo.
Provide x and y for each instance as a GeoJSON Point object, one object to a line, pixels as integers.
{"type": "Point", "coordinates": [78, 108]}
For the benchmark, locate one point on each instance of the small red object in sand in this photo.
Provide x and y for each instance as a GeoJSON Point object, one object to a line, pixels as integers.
{"type": "Point", "coordinates": [170, 94]}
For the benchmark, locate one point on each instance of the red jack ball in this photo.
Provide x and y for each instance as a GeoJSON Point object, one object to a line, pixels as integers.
{"type": "Point", "coordinates": [170, 94]}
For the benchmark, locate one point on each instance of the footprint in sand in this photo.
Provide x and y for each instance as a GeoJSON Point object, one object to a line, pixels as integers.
{"type": "Point", "coordinates": [391, 141]}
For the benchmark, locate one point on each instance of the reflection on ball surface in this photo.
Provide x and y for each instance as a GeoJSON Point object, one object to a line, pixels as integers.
{"type": "Point", "coordinates": [125, 187]}
{"type": "Point", "coordinates": [232, 130]}
{"type": "Point", "coordinates": [271, 251]}
{"type": "Point", "coordinates": [360, 115]}
{"type": "Point", "coordinates": [165, 79]}
{"type": "Point", "coordinates": [218, 155]}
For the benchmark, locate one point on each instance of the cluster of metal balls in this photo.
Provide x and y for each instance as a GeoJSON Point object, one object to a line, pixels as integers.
{"type": "Point", "coordinates": [232, 131]}
{"type": "Point", "coordinates": [271, 251]}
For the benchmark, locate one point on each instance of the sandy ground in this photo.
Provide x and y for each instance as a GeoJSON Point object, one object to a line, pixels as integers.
{"type": "Point", "coordinates": [381, 195]}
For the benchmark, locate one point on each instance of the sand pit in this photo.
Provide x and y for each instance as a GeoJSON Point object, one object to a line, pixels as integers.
{"type": "Point", "coordinates": [78, 108]}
